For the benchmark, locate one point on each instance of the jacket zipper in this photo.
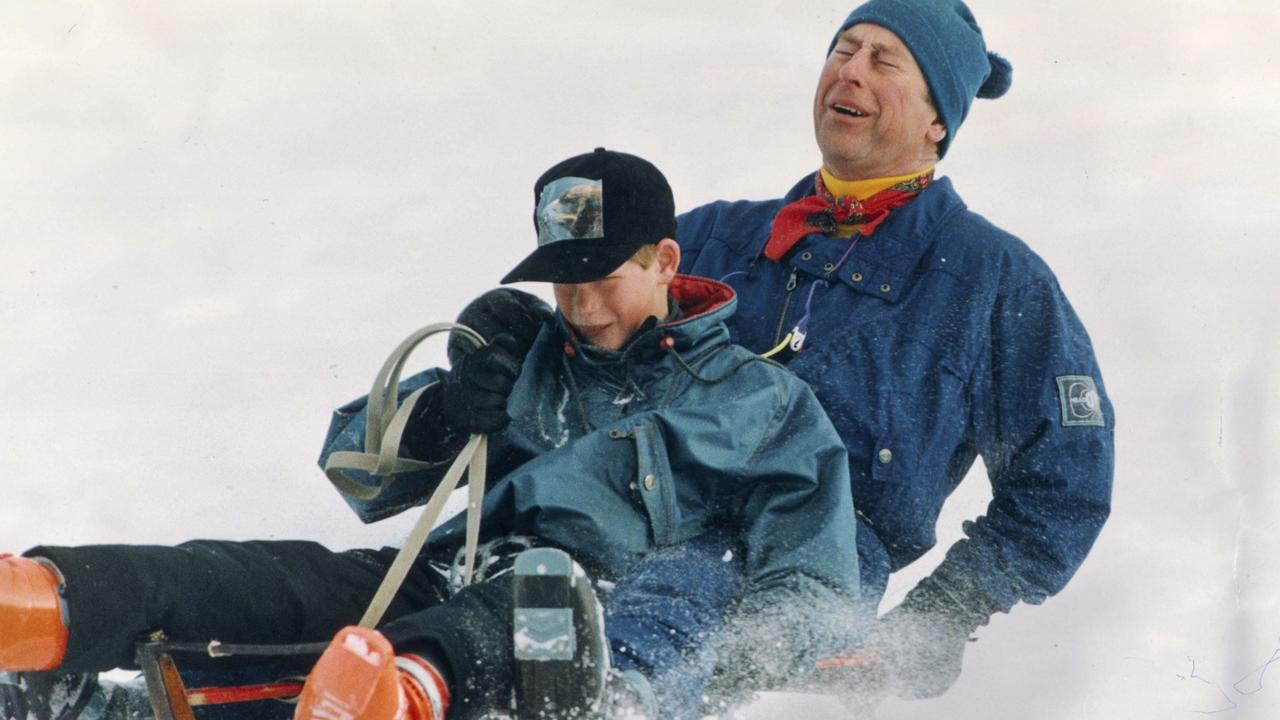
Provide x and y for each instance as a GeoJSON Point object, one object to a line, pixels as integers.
{"type": "Point", "coordinates": [786, 305]}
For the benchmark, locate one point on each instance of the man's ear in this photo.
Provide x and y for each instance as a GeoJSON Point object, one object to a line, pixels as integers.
{"type": "Point", "coordinates": [936, 132]}
{"type": "Point", "coordinates": [668, 261]}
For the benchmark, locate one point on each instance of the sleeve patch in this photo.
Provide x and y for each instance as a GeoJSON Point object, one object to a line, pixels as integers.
{"type": "Point", "coordinates": [1079, 400]}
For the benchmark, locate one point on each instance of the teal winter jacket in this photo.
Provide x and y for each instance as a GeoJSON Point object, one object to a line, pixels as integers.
{"type": "Point", "coordinates": [611, 455]}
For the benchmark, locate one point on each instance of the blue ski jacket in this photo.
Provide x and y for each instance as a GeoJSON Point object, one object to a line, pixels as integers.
{"type": "Point", "coordinates": [611, 455]}
{"type": "Point", "coordinates": [937, 339]}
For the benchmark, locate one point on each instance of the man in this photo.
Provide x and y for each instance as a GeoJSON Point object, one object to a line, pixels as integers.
{"type": "Point", "coordinates": [929, 335]}
{"type": "Point", "coordinates": [607, 439]}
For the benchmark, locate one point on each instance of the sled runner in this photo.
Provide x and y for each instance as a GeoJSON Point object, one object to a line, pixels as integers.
{"type": "Point", "coordinates": [849, 677]}
{"type": "Point", "coordinates": [171, 699]}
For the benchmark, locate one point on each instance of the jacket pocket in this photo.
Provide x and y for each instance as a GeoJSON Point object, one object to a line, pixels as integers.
{"type": "Point", "coordinates": [653, 481]}
{"type": "Point", "coordinates": [891, 468]}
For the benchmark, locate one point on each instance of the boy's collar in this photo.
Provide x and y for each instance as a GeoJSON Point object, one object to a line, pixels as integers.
{"type": "Point", "coordinates": [674, 314]}
{"type": "Point", "coordinates": [688, 298]}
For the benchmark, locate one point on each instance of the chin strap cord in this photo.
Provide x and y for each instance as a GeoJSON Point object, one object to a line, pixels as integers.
{"type": "Point", "coordinates": [381, 459]}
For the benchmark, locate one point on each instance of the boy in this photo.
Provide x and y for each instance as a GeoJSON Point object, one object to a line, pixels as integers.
{"type": "Point", "coordinates": [638, 432]}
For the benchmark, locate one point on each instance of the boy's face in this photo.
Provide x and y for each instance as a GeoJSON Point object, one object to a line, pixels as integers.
{"type": "Point", "coordinates": [606, 312]}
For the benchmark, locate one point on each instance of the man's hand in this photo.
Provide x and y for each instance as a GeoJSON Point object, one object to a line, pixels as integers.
{"type": "Point", "coordinates": [499, 311]}
{"type": "Point", "coordinates": [922, 641]}
{"type": "Point", "coordinates": [921, 651]}
{"type": "Point", "coordinates": [473, 396]}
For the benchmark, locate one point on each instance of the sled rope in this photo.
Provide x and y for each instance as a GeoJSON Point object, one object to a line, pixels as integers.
{"type": "Point", "coordinates": [472, 457]}
{"type": "Point", "coordinates": [381, 459]}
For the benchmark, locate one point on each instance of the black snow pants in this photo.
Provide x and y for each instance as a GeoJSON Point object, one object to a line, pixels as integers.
{"type": "Point", "coordinates": [279, 592]}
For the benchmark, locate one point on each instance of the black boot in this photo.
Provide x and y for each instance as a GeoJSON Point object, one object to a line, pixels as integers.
{"type": "Point", "coordinates": [561, 657]}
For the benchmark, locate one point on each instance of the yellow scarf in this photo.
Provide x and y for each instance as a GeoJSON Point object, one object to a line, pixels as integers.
{"type": "Point", "coordinates": [860, 190]}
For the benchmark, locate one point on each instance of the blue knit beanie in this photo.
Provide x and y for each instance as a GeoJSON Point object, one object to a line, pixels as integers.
{"type": "Point", "coordinates": [948, 46]}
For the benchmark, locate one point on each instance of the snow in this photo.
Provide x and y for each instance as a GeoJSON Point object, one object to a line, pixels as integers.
{"type": "Point", "coordinates": [219, 220]}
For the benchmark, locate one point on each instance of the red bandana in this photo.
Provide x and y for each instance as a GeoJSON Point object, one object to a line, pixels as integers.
{"type": "Point", "coordinates": [822, 213]}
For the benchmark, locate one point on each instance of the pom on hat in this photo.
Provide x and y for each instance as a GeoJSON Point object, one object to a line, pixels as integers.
{"type": "Point", "coordinates": [998, 82]}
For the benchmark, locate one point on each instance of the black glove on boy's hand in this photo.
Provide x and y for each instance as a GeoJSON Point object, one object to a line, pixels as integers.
{"type": "Point", "coordinates": [499, 311]}
{"type": "Point", "coordinates": [473, 396]}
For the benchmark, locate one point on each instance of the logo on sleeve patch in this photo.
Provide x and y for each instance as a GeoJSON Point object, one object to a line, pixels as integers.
{"type": "Point", "coordinates": [1079, 400]}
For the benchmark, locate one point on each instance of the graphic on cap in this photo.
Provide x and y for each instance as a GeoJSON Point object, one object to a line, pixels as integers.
{"type": "Point", "coordinates": [570, 208]}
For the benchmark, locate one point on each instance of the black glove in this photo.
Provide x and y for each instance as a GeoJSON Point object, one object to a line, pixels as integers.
{"type": "Point", "coordinates": [473, 396]}
{"type": "Point", "coordinates": [498, 311]}
{"type": "Point", "coordinates": [922, 641]}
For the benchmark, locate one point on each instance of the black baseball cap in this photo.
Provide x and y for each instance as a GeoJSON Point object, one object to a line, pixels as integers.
{"type": "Point", "coordinates": [592, 213]}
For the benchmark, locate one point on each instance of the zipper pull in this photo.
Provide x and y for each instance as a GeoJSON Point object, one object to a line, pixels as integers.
{"type": "Point", "coordinates": [797, 339]}
{"type": "Point", "coordinates": [791, 281]}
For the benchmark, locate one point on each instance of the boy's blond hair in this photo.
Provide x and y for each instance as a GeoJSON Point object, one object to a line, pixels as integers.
{"type": "Point", "coordinates": [646, 255]}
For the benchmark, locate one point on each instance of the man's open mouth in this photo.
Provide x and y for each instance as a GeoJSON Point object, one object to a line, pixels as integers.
{"type": "Point", "coordinates": [848, 110]}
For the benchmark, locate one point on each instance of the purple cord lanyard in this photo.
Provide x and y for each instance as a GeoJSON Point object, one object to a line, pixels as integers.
{"type": "Point", "coordinates": [801, 330]}
{"type": "Point", "coordinates": [794, 341]}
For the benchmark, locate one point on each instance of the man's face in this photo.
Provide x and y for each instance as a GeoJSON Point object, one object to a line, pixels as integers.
{"type": "Point", "coordinates": [606, 312]}
{"type": "Point", "coordinates": [871, 113]}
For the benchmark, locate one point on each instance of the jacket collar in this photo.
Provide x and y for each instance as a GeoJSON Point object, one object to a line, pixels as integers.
{"type": "Point", "coordinates": [883, 264]}
{"type": "Point", "coordinates": [704, 303]}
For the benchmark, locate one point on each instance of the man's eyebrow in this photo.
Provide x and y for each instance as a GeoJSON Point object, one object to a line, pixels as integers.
{"type": "Point", "coordinates": [878, 48]}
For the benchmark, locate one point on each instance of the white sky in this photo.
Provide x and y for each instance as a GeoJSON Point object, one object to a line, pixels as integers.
{"type": "Point", "coordinates": [217, 218]}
